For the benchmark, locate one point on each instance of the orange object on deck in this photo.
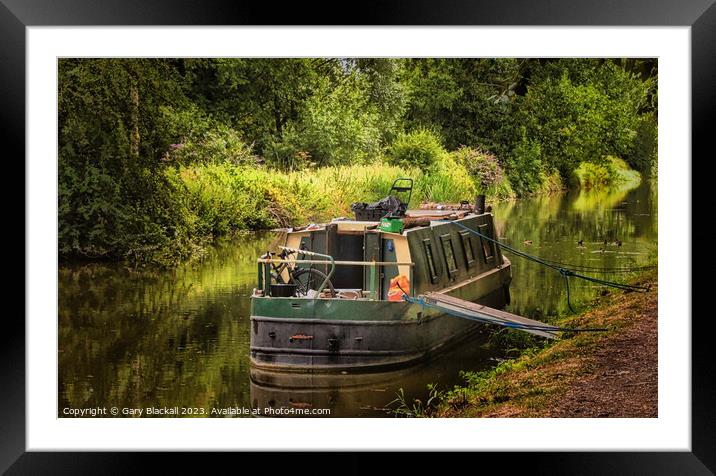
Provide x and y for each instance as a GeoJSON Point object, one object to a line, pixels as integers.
{"type": "Point", "coordinates": [394, 292]}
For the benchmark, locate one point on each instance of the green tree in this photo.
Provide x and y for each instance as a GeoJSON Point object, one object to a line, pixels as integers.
{"type": "Point", "coordinates": [337, 126]}
{"type": "Point", "coordinates": [112, 137]}
{"type": "Point", "coordinates": [469, 101]}
{"type": "Point", "coordinates": [578, 122]}
{"type": "Point", "coordinates": [257, 96]}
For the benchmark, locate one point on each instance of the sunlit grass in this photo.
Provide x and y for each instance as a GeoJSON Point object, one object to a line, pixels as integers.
{"type": "Point", "coordinates": [227, 197]}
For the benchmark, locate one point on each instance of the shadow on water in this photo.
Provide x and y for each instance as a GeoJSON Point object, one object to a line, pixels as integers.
{"type": "Point", "coordinates": [138, 339]}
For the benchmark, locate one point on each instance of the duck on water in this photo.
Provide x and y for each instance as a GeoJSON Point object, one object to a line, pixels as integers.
{"type": "Point", "coordinates": [381, 290]}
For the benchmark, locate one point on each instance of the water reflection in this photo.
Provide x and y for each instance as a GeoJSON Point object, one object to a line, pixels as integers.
{"type": "Point", "coordinates": [139, 338]}
{"type": "Point", "coordinates": [136, 339]}
{"type": "Point", "coordinates": [364, 395]}
{"type": "Point", "coordinates": [555, 226]}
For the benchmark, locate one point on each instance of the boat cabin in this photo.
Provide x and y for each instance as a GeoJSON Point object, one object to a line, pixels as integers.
{"type": "Point", "coordinates": [432, 252]}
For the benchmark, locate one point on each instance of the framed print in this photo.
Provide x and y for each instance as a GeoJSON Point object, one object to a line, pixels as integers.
{"type": "Point", "coordinates": [253, 229]}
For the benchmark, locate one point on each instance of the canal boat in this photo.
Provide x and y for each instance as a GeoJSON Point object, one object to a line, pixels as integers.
{"type": "Point", "coordinates": [379, 290]}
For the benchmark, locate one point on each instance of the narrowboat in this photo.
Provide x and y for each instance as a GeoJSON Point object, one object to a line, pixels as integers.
{"type": "Point", "coordinates": [342, 296]}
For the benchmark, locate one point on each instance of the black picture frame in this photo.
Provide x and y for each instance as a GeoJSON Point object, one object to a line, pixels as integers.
{"type": "Point", "coordinates": [700, 15]}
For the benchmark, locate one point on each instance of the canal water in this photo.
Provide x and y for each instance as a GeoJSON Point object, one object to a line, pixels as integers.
{"type": "Point", "coordinates": [133, 338]}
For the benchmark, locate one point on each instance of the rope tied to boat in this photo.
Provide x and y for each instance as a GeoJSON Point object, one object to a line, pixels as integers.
{"type": "Point", "coordinates": [565, 272]}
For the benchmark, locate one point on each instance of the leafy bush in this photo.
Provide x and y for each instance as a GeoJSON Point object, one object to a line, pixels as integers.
{"type": "Point", "coordinates": [288, 153]}
{"type": "Point", "coordinates": [590, 175]}
{"type": "Point", "coordinates": [643, 154]}
{"type": "Point", "coordinates": [551, 182]}
{"type": "Point", "coordinates": [485, 170]}
{"type": "Point", "coordinates": [220, 144]}
{"type": "Point", "coordinates": [613, 171]}
{"type": "Point", "coordinates": [420, 148]}
{"type": "Point", "coordinates": [480, 164]}
{"type": "Point", "coordinates": [525, 166]}
{"type": "Point", "coordinates": [622, 172]}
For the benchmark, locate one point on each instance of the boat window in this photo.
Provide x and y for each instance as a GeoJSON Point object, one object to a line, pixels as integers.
{"type": "Point", "coordinates": [429, 257]}
{"type": "Point", "coordinates": [449, 253]}
{"type": "Point", "coordinates": [467, 249]}
{"type": "Point", "coordinates": [486, 245]}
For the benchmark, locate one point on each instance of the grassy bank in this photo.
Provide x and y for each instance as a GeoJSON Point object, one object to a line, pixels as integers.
{"type": "Point", "coordinates": [218, 198]}
{"type": "Point", "coordinates": [601, 374]}
{"type": "Point", "coordinates": [221, 198]}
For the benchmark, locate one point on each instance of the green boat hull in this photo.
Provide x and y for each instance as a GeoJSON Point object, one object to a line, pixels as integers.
{"type": "Point", "coordinates": [332, 335]}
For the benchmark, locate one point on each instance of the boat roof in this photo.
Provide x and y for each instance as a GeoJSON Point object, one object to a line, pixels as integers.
{"type": "Point", "coordinates": [349, 225]}
{"type": "Point", "coordinates": [430, 213]}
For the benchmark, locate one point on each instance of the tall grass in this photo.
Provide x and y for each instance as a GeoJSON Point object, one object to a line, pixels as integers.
{"type": "Point", "coordinates": [221, 198]}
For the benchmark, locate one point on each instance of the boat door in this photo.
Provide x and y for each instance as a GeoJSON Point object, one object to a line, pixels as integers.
{"type": "Point", "coordinates": [388, 272]}
{"type": "Point", "coordinates": [372, 251]}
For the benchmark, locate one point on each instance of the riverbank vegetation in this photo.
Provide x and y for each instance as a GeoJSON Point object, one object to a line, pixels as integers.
{"type": "Point", "coordinates": [591, 374]}
{"type": "Point", "coordinates": [219, 198]}
{"type": "Point", "coordinates": [159, 156]}
{"type": "Point", "coordinates": [610, 173]}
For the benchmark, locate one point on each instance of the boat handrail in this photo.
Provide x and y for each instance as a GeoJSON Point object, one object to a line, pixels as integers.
{"type": "Point", "coordinates": [341, 263]}
{"type": "Point", "coordinates": [333, 263]}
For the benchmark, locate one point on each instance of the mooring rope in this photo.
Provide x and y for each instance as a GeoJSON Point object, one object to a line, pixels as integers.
{"type": "Point", "coordinates": [564, 271]}
{"type": "Point", "coordinates": [600, 269]}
